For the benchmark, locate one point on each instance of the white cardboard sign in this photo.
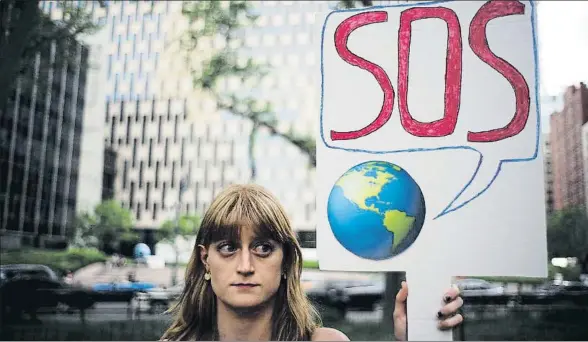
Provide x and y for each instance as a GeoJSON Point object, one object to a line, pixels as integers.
{"type": "Point", "coordinates": [428, 155]}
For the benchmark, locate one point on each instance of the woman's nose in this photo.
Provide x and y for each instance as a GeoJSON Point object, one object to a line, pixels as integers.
{"type": "Point", "coordinates": [245, 266]}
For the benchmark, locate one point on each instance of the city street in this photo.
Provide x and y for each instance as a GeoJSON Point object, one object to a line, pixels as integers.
{"type": "Point", "coordinates": [105, 312]}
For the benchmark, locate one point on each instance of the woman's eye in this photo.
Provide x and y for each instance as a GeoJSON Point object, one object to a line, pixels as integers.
{"type": "Point", "coordinates": [264, 249]}
{"type": "Point", "coordinates": [226, 248]}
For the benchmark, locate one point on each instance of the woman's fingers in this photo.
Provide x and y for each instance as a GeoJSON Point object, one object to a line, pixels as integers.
{"type": "Point", "coordinates": [450, 322]}
{"type": "Point", "coordinates": [451, 294]}
{"type": "Point", "coordinates": [400, 303]}
{"type": "Point", "coordinates": [451, 308]}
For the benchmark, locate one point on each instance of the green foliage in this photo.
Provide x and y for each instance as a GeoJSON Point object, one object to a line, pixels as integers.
{"type": "Point", "coordinates": [60, 261]}
{"type": "Point", "coordinates": [105, 228]}
{"type": "Point", "coordinates": [32, 31]}
{"type": "Point", "coordinates": [188, 226]}
{"type": "Point", "coordinates": [567, 233]}
{"type": "Point", "coordinates": [310, 264]}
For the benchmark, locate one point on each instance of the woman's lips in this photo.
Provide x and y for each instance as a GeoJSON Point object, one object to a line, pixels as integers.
{"type": "Point", "coordinates": [244, 285]}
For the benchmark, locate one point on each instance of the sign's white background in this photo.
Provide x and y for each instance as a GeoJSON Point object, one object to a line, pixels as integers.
{"type": "Point", "coordinates": [500, 233]}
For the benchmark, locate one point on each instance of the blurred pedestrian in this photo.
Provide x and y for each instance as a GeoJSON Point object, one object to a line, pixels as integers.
{"type": "Point", "coordinates": [68, 279]}
{"type": "Point", "coordinates": [243, 282]}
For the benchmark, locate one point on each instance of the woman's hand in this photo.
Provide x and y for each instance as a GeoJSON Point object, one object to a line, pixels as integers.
{"type": "Point", "coordinates": [448, 316]}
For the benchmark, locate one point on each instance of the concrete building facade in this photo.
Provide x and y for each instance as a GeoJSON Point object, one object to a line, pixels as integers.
{"type": "Point", "coordinates": [566, 149]}
{"type": "Point", "coordinates": [144, 63]}
{"type": "Point", "coordinates": [548, 169]}
{"type": "Point", "coordinates": [158, 145]}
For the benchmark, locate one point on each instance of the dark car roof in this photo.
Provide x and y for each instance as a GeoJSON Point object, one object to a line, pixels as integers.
{"type": "Point", "coordinates": [27, 268]}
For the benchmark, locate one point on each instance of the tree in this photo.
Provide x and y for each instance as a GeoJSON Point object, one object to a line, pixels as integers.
{"type": "Point", "coordinates": [567, 233]}
{"type": "Point", "coordinates": [224, 20]}
{"type": "Point", "coordinates": [30, 31]}
{"type": "Point", "coordinates": [188, 226]}
{"type": "Point", "coordinates": [108, 225]}
{"type": "Point", "coordinates": [82, 235]}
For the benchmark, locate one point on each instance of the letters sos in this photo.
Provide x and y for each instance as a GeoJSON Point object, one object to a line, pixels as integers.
{"type": "Point", "coordinates": [479, 45]}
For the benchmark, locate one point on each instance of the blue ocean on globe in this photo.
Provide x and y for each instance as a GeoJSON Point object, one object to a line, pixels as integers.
{"type": "Point", "coordinates": [376, 210]}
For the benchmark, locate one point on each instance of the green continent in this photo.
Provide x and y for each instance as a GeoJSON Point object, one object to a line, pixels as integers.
{"type": "Point", "coordinates": [398, 223]}
{"type": "Point", "coordinates": [358, 187]}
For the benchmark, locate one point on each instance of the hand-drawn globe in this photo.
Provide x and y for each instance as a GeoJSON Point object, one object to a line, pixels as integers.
{"type": "Point", "coordinates": [141, 250]}
{"type": "Point", "coordinates": [376, 210]}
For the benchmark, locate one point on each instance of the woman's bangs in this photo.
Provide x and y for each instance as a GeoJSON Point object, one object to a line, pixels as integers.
{"type": "Point", "coordinates": [242, 213]}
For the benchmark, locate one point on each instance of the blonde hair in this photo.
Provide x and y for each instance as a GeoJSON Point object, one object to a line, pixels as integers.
{"type": "Point", "coordinates": [238, 206]}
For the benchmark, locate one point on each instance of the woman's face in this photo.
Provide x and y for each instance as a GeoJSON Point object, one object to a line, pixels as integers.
{"type": "Point", "coordinates": [245, 273]}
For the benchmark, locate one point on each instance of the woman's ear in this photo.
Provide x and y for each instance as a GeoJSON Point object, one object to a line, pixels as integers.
{"type": "Point", "coordinates": [203, 255]}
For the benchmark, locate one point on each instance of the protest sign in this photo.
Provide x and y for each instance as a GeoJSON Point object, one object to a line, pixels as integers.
{"type": "Point", "coordinates": [428, 157]}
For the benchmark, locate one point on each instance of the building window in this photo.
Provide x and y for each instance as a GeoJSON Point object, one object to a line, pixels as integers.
{"type": "Point", "coordinates": [139, 211]}
{"type": "Point", "coordinates": [115, 95]}
{"type": "Point", "coordinates": [150, 157]}
{"type": "Point", "coordinates": [182, 150]}
{"type": "Point", "coordinates": [269, 40]}
{"type": "Point", "coordinates": [294, 19]}
{"type": "Point", "coordinates": [159, 129]}
{"type": "Point", "coordinates": [118, 50]}
{"type": "Point", "coordinates": [141, 174]}
{"type": "Point", "coordinates": [165, 152]}
{"type": "Point", "coordinates": [112, 131]}
{"type": "Point", "coordinates": [140, 65]}
{"type": "Point", "coordinates": [147, 195]}
{"type": "Point", "coordinates": [143, 129]}
{"type": "Point", "coordinates": [109, 66]}
{"type": "Point", "coordinates": [177, 118]}
{"type": "Point", "coordinates": [125, 174]}
{"type": "Point", "coordinates": [156, 174]}
{"type": "Point", "coordinates": [173, 174]}
{"type": "Point", "coordinates": [132, 195]}
{"type": "Point", "coordinates": [158, 29]}
{"type": "Point", "coordinates": [134, 161]}
{"type": "Point", "coordinates": [128, 135]}
{"type": "Point", "coordinates": [163, 196]}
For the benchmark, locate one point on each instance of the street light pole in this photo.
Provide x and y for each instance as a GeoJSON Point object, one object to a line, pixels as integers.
{"type": "Point", "coordinates": [183, 187]}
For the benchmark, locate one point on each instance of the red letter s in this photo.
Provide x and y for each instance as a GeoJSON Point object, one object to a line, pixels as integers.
{"type": "Point", "coordinates": [479, 44]}
{"type": "Point", "coordinates": [341, 36]}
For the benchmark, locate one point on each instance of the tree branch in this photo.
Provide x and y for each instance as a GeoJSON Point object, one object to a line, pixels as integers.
{"type": "Point", "coordinates": [305, 145]}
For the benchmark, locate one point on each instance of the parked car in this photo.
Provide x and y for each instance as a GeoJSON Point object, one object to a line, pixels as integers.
{"type": "Point", "coordinates": [8, 272]}
{"type": "Point", "coordinates": [123, 291]}
{"type": "Point", "coordinates": [156, 300]}
{"type": "Point", "coordinates": [343, 292]}
{"type": "Point", "coordinates": [572, 292]}
{"type": "Point", "coordinates": [478, 287]}
{"type": "Point", "coordinates": [31, 288]}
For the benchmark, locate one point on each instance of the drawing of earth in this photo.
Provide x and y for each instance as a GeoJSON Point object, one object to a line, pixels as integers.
{"type": "Point", "coordinates": [376, 210]}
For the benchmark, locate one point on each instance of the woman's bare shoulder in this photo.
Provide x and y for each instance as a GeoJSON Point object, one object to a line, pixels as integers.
{"type": "Point", "coordinates": [328, 334]}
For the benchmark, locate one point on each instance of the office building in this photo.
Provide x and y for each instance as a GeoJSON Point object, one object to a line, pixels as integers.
{"type": "Point", "coordinates": [145, 65]}
{"type": "Point", "coordinates": [548, 169]}
{"type": "Point", "coordinates": [40, 130]}
{"type": "Point", "coordinates": [158, 146]}
{"type": "Point", "coordinates": [566, 149]}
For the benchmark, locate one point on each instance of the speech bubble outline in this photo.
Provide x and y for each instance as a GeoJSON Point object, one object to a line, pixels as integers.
{"type": "Point", "coordinates": [449, 208]}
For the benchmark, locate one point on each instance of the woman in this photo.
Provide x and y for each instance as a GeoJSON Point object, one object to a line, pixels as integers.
{"type": "Point", "coordinates": [243, 278]}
